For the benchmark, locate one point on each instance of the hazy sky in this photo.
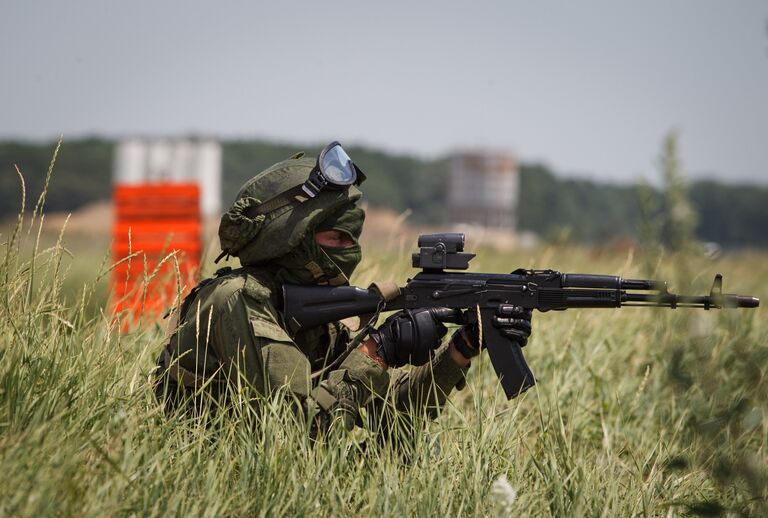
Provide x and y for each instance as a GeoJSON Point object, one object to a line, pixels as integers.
{"type": "Point", "coordinates": [588, 87]}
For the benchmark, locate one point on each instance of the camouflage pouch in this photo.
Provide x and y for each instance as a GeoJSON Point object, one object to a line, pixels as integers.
{"type": "Point", "coordinates": [236, 228]}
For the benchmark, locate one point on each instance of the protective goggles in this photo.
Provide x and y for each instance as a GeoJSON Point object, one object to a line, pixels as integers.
{"type": "Point", "coordinates": [334, 170]}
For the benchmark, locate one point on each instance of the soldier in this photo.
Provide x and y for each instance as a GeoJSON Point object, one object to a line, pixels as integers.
{"type": "Point", "coordinates": [298, 222]}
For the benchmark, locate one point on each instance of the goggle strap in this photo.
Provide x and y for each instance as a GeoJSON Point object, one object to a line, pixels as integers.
{"type": "Point", "coordinates": [293, 195]}
{"type": "Point", "coordinates": [360, 175]}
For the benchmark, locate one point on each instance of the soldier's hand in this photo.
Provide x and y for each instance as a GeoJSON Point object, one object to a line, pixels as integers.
{"type": "Point", "coordinates": [513, 322]}
{"type": "Point", "coordinates": [410, 336]}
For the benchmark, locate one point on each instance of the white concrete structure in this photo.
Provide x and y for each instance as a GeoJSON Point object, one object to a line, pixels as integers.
{"type": "Point", "coordinates": [483, 189]}
{"type": "Point", "coordinates": [151, 160]}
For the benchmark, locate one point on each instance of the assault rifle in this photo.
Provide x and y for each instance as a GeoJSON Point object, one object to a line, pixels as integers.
{"type": "Point", "coordinates": [479, 294]}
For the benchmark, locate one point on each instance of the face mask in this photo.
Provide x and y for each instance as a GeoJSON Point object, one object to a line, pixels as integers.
{"type": "Point", "coordinates": [311, 263]}
{"type": "Point", "coordinates": [343, 260]}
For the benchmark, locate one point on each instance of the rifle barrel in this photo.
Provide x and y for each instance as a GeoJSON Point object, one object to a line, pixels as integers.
{"type": "Point", "coordinates": [700, 301]}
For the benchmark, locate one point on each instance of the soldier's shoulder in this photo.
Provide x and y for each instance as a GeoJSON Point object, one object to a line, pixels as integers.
{"type": "Point", "coordinates": [257, 286]}
{"type": "Point", "coordinates": [255, 289]}
{"type": "Point", "coordinates": [231, 283]}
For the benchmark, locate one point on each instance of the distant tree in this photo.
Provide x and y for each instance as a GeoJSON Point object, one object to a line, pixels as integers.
{"type": "Point", "coordinates": [680, 218]}
{"type": "Point", "coordinates": [83, 173]}
{"type": "Point", "coordinates": [732, 215]}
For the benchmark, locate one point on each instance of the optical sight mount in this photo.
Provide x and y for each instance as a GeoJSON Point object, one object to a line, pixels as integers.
{"type": "Point", "coordinates": [441, 252]}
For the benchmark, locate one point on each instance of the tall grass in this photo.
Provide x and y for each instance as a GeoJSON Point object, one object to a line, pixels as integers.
{"type": "Point", "coordinates": [636, 412]}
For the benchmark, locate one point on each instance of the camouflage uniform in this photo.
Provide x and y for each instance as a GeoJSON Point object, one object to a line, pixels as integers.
{"type": "Point", "coordinates": [231, 325]}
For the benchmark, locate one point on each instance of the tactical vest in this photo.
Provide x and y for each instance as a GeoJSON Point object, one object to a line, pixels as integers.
{"type": "Point", "coordinates": [321, 345]}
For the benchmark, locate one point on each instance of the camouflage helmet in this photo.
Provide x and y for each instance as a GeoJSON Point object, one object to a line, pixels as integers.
{"type": "Point", "coordinates": [260, 239]}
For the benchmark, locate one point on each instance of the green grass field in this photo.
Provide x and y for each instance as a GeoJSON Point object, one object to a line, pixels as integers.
{"type": "Point", "coordinates": [645, 412]}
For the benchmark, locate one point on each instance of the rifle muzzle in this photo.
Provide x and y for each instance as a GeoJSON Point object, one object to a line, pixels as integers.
{"type": "Point", "coordinates": [745, 302]}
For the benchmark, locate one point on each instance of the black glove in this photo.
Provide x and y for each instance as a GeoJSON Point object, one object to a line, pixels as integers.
{"type": "Point", "coordinates": [410, 336]}
{"type": "Point", "coordinates": [513, 322]}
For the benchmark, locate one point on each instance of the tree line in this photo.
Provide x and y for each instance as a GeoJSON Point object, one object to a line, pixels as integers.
{"type": "Point", "coordinates": [550, 206]}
